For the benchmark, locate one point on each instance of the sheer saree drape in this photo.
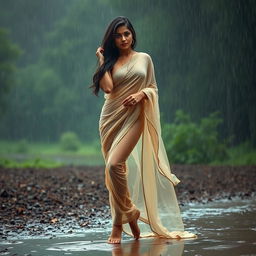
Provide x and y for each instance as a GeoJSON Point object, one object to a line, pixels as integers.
{"type": "Point", "coordinates": [144, 181]}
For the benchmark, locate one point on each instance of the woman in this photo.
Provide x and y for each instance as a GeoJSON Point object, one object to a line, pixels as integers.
{"type": "Point", "coordinates": [137, 172]}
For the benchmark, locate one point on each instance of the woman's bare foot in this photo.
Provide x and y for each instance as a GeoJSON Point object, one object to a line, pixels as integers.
{"type": "Point", "coordinates": [115, 237]}
{"type": "Point", "coordinates": [134, 226]}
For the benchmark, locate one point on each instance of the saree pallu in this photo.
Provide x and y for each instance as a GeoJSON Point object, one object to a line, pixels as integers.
{"type": "Point", "coordinates": [148, 181]}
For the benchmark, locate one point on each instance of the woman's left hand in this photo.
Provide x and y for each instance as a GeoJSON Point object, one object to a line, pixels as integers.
{"type": "Point", "coordinates": [133, 99]}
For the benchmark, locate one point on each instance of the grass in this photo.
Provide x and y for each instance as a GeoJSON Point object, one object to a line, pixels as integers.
{"type": "Point", "coordinates": [22, 146]}
{"type": "Point", "coordinates": [35, 163]}
{"type": "Point", "coordinates": [25, 154]}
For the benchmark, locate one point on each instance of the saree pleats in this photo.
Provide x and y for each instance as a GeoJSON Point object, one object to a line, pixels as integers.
{"type": "Point", "coordinates": [143, 182]}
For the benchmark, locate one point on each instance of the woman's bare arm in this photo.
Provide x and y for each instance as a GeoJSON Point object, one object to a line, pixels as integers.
{"type": "Point", "coordinates": [106, 82]}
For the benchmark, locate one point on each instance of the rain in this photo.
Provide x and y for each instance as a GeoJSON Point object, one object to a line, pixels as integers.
{"type": "Point", "coordinates": [204, 60]}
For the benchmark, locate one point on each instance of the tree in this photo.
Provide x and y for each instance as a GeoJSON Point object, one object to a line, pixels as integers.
{"type": "Point", "coordinates": [9, 53]}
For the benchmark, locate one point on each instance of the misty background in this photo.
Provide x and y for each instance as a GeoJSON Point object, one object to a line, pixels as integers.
{"type": "Point", "coordinates": [204, 58]}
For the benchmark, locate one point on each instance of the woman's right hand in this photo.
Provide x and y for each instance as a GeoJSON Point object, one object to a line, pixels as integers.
{"type": "Point", "coordinates": [99, 54]}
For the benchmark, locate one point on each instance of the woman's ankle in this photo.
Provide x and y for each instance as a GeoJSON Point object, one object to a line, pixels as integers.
{"type": "Point", "coordinates": [118, 225]}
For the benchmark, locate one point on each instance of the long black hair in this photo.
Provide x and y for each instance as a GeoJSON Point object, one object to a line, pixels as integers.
{"type": "Point", "coordinates": [111, 52]}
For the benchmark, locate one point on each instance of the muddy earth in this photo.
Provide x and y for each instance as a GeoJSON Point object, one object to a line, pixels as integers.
{"type": "Point", "coordinates": [47, 201]}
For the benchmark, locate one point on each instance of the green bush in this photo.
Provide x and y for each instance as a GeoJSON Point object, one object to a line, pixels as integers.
{"type": "Point", "coordinates": [22, 146]}
{"type": "Point", "coordinates": [69, 141]}
{"type": "Point", "coordinates": [192, 143]}
{"type": "Point", "coordinates": [242, 154]}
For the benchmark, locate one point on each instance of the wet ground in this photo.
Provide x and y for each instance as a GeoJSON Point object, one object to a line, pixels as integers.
{"type": "Point", "coordinates": [64, 211]}
{"type": "Point", "coordinates": [224, 227]}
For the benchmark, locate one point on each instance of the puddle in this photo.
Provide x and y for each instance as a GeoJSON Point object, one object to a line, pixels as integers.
{"type": "Point", "coordinates": [224, 228]}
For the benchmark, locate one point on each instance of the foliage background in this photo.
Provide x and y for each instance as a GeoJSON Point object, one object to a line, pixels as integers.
{"type": "Point", "coordinates": [203, 52]}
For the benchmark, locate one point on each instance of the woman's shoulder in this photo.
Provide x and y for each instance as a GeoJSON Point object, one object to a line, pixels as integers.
{"type": "Point", "coordinates": [145, 56]}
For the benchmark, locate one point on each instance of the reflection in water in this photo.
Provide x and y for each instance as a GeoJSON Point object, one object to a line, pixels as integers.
{"type": "Point", "coordinates": [142, 247]}
{"type": "Point", "coordinates": [223, 228]}
{"type": "Point", "coordinates": [148, 247]}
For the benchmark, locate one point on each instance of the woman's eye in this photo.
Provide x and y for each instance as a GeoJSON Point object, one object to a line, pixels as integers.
{"type": "Point", "coordinates": [117, 35]}
{"type": "Point", "coordinates": [126, 34]}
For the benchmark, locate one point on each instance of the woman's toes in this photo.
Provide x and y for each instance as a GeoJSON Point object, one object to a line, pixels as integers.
{"type": "Point", "coordinates": [114, 241]}
{"type": "Point", "coordinates": [115, 237]}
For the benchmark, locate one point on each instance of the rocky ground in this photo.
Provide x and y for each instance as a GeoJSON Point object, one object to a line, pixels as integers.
{"type": "Point", "coordinates": [64, 199]}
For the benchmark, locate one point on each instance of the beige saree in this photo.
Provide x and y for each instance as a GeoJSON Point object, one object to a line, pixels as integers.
{"type": "Point", "coordinates": [144, 181]}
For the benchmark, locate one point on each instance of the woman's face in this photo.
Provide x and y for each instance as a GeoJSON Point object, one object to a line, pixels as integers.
{"type": "Point", "coordinates": [123, 38]}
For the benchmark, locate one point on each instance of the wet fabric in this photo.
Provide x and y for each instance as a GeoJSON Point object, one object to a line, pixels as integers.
{"type": "Point", "coordinates": [137, 173]}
